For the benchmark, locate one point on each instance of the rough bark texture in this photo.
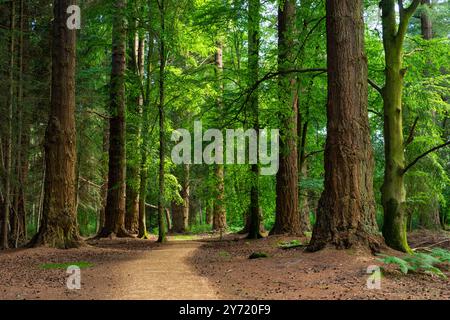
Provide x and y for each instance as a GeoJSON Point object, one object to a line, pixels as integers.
{"type": "Point", "coordinates": [393, 189]}
{"type": "Point", "coordinates": [346, 213]}
{"type": "Point", "coordinates": [115, 200]}
{"type": "Point", "coordinates": [426, 23]}
{"type": "Point", "coordinates": [287, 220]}
{"type": "Point", "coordinates": [58, 227]}
{"type": "Point", "coordinates": [219, 216]}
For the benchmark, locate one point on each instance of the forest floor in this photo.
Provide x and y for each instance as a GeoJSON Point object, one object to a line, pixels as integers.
{"type": "Point", "coordinates": [204, 268]}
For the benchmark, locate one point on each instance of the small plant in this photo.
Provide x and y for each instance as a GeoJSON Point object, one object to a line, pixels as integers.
{"type": "Point", "coordinates": [290, 244]}
{"type": "Point", "coordinates": [426, 262]}
{"type": "Point", "coordinates": [80, 264]}
{"type": "Point", "coordinates": [258, 255]}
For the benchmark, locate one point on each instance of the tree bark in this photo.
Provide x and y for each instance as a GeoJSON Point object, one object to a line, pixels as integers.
{"type": "Point", "coordinates": [134, 132]}
{"type": "Point", "coordinates": [58, 227]}
{"type": "Point", "coordinates": [393, 189]}
{"type": "Point", "coordinates": [346, 212]}
{"type": "Point", "coordinates": [115, 200]}
{"type": "Point", "coordinates": [287, 220]}
{"type": "Point", "coordinates": [180, 212]}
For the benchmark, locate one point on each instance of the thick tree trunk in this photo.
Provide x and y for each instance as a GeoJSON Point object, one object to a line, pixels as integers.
{"type": "Point", "coordinates": [219, 216]}
{"type": "Point", "coordinates": [346, 213]}
{"type": "Point", "coordinates": [58, 227]}
{"type": "Point", "coordinates": [162, 138]}
{"type": "Point", "coordinates": [287, 219]}
{"type": "Point", "coordinates": [115, 200]}
{"type": "Point", "coordinates": [426, 23]}
{"type": "Point", "coordinates": [393, 189]}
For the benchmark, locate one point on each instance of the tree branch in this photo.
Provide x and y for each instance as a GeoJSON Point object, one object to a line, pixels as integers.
{"type": "Point", "coordinates": [411, 133]}
{"type": "Point", "coordinates": [375, 86]}
{"type": "Point", "coordinates": [424, 155]}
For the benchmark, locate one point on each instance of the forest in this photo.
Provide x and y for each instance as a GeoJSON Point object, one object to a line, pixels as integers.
{"type": "Point", "coordinates": [225, 149]}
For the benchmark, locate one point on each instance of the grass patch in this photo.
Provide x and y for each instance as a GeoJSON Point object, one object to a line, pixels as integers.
{"type": "Point", "coordinates": [80, 264]}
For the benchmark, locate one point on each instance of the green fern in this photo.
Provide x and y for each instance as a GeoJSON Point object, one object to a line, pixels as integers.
{"type": "Point", "coordinates": [420, 262]}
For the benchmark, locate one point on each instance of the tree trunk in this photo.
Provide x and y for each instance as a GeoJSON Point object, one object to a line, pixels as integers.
{"type": "Point", "coordinates": [58, 227]}
{"type": "Point", "coordinates": [162, 138]}
{"type": "Point", "coordinates": [145, 142]}
{"type": "Point", "coordinates": [393, 190]}
{"type": "Point", "coordinates": [134, 132]}
{"type": "Point", "coordinates": [346, 213]}
{"type": "Point", "coordinates": [115, 199]}
{"type": "Point", "coordinates": [254, 14]}
{"type": "Point", "coordinates": [104, 189]}
{"type": "Point", "coordinates": [287, 220]}
{"type": "Point", "coordinates": [429, 218]}
{"type": "Point", "coordinates": [19, 232]}
{"type": "Point", "coordinates": [303, 167]}
{"type": "Point", "coordinates": [219, 216]}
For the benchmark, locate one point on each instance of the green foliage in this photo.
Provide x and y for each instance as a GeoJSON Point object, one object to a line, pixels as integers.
{"type": "Point", "coordinates": [420, 262]}
{"type": "Point", "coordinates": [80, 264]}
{"type": "Point", "coordinates": [258, 255]}
{"type": "Point", "coordinates": [290, 244]}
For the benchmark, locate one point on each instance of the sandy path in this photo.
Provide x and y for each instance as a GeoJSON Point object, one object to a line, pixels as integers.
{"type": "Point", "coordinates": [122, 269]}
{"type": "Point", "coordinates": [164, 273]}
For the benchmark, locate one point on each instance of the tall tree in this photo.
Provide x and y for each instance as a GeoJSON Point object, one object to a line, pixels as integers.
{"type": "Point", "coordinates": [254, 18]}
{"type": "Point", "coordinates": [346, 212]}
{"type": "Point", "coordinates": [8, 135]}
{"type": "Point", "coordinates": [162, 138]}
{"type": "Point", "coordinates": [287, 219]}
{"type": "Point", "coordinates": [219, 215]}
{"type": "Point", "coordinates": [115, 199]}
{"type": "Point", "coordinates": [58, 227]}
{"type": "Point", "coordinates": [393, 189]}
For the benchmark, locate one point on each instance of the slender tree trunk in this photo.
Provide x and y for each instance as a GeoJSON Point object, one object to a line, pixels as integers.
{"type": "Point", "coordinates": [287, 219]}
{"type": "Point", "coordinates": [19, 229]}
{"type": "Point", "coordinates": [393, 189]}
{"type": "Point", "coordinates": [346, 213]}
{"type": "Point", "coordinates": [104, 189]}
{"type": "Point", "coordinates": [145, 142]}
{"type": "Point", "coordinates": [303, 167]}
{"type": "Point", "coordinates": [219, 216]}
{"type": "Point", "coordinates": [254, 14]}
{"type": "Point", "coordinates": [162, 138]}
{"type": "Point", "coordinates": [180, 212]}
{"type": "Point", "coordinates": [429, 217]}
{"type": "Point", "coordinates": [59, 218]}
{"type": "Point", "coordinates": [115, 200]}
{"type": "Point", "coordinates": [8, 135]}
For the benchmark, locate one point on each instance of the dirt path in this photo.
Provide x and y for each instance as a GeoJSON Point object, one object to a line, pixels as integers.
{"type": "Point", "coordinates": [122, 269]}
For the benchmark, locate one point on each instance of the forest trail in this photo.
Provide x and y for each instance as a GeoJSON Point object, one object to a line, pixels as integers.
{"type": "Point", "coordinates": [164, 273]}
{"type": "Point", "coordinates": [121, 269]}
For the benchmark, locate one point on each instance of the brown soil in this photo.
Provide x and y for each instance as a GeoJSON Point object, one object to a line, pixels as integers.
{"type": "Point", "coordinates": [208, 269]}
